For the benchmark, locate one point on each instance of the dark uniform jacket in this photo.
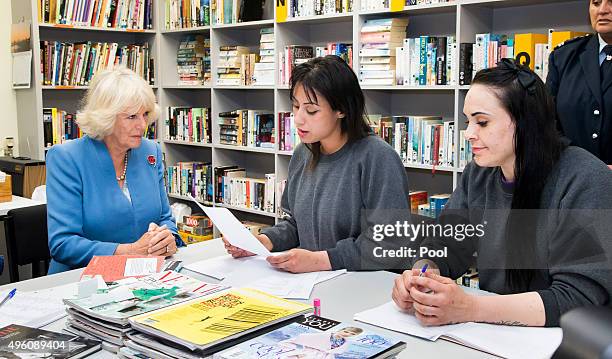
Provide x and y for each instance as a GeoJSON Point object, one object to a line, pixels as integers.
{"type": "Point", "coordinates": [584, 109]}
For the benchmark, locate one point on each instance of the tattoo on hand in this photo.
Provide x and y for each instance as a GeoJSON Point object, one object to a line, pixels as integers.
{"type": "Point", "coordinates": [510, 322]}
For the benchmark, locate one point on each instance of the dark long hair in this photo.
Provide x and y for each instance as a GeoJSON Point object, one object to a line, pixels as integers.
{"type": "Point", "coordinates": [537, 147]}
{"type": "Point", "coordinates": [332, 78]}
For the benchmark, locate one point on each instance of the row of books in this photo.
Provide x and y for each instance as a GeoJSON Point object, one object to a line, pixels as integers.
{"type": "Point", "coordinates": [236, 65]}
{"type": "Point", "coordinates": [302, 8]}
{"type": "Point", "coordinates": [186, 14]}
{"type": "Point", "coordinates": [342, 50]}
{"type": "Point", "coordinates": [59, 126]}
{"type": "Point", "coordinates": [529, 48]}
{"type": "Point", "coordinates": [290, 57]}
{"type": "Point", "coordinates": [379, 39]}
{"type": "Point", "coordinates": [75, 64]}
{"type": "Point", "coordinates": [427, 206]}
{"type": "Point", "coordinates": [426, 60]}
{"type": "Point", "coordinates": [263, 73]}
{"type": "Point", "coordinates": [193, 60]}
{"type": "Point", "coordinates": [193, 178]}
{"type": "Point", "coordinates": [469, 279]}
{"type": "Point", "coordinates": [234, 188]}
{"type": "Point", "coordinates": [288, 138]}
{"type": "Point", "coordinates": [189, 124]}
{"type": "Point", "coordinates": [426, 140]}
{"type": "Point", "coordinates": [384, 4]}
{"type": "Point", "coordinates": [250, 128]}
{"type": "Point", "coordinates": [116, 14]}
{"type": "Point", "coordinates": [235, 11]}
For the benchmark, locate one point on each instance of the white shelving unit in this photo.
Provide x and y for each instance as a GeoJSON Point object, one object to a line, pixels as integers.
{"type": "Point", "coordinates": [461, 18]}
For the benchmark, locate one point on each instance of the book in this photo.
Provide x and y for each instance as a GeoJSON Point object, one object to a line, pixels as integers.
{"type": "Point", "coordinates": [18, 341]}
{"type": "Point", "coordinates": [316, 337]}
{"type": "Point", "coordinates": [204, 322]}
{"type": "Point", "coordinates": [116, 267]}
{"type": "Point", "coordinates": [134, 296]}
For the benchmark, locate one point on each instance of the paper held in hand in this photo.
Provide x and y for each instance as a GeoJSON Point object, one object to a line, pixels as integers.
{"type": "Point", "coordinates": [233, 230]}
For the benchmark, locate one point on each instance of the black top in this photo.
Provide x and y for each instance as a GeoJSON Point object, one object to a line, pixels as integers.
{"type": "Point", "coordinates": [584, 108]}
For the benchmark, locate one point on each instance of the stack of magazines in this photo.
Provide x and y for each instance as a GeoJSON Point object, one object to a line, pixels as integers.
{"type": "Point", "coordinates": [204, 326]}
{"type": "Point", "coordinates": [104, 315]}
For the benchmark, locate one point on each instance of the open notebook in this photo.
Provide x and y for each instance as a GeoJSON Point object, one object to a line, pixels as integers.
{"type": "Point", "coordinates": [500, 340]}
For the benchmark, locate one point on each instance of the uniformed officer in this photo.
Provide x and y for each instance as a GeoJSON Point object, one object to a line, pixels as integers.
{"type": "Point", "coordinates": [580, 78]}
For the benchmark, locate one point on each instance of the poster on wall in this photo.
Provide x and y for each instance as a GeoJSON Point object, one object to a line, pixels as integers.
{"type": "Point", "coordinates": [21, 49]}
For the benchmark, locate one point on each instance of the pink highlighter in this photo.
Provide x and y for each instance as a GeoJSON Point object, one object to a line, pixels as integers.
{"type": "Point", "coordinates": [317, 307]}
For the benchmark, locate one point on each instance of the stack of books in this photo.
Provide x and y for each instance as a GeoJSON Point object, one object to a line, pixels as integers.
{"type": "Point", "coordinates": [424, 140]}
{"type": "Point", "coordinates": [302, 8]}
{"type": "Point", "coordinates": [344, 51]}
{"type": "Point", "coordinates": [189, 124]}
{"type": "Point", "coordinates": [195, 228]}
{"type": "Point", "coordinates": [187, 13]}
{"type": "Point", "coordinates": [290, 57]}
{"type": "Point", "coordinates": [104, 314]}
{"type": "Point", "coordinates": [250, 128]}
{"type": "Point", "coordinates": [193, 60]}
{"type": "Point", "coordinates": [193, 178]}
{"type": "Point", "coordinates": [116, 14]}
{"type": "Point", "coordinates": [229, 69]}
{"type": "Point", "coordinates": [264, 69]}
{"type": "Point", "coordinates": [288, 138]}
{"type": "Point", "coordinates": [59, 126]}
{"type": "Point", "coordinates": [426, 60]}
{"type": "Point", "coordinates": [75, 64]}
{"type": "Point", "coordinates": [203, 326]}
{"type": "Point", "coordinates": [379, 39]}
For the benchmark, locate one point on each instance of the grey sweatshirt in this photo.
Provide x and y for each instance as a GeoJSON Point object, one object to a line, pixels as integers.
{"type": "Point", "coordinates": [572, 241]}
{"type": "Point", "coordinates": [326, 204]}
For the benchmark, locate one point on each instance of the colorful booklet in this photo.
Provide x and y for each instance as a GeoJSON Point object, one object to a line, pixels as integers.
{"type": "Point", "coordinates": [132, 296]}
{"type": "Point", "coordinates": [316, 338]}
{"type": "Point", "coordinates": [117, 267]}
{"type": "Point", "coordinates": [205, 322]}
{"type": "Point", "coordinates": [17, 341]}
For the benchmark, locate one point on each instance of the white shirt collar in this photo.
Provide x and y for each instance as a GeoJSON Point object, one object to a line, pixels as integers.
{"type": "Point", "coordinates": [602, 43]}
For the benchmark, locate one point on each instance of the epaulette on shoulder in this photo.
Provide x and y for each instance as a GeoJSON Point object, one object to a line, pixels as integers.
{"type": "Point", "coordinates": [572, 40]}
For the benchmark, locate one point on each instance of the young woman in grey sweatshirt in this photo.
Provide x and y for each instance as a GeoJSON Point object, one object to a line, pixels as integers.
{"type": "Point", "coordinates": [545, 208]}
{"type": "Point", "coordinates": [339, 174]}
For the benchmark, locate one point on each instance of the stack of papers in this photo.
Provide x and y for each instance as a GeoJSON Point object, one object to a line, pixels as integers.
{"type": "Point", "coordinates": [30, 309]}
{"type": "Point", "coordinates": [500, 340]}
{"type": "Point", "coordinates": [256, 272]}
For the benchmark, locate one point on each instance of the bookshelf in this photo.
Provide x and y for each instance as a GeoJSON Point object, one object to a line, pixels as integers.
{"type": "Point", "coordinates": [461, 18]}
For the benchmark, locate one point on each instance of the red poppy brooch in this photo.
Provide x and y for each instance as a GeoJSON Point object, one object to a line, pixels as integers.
{"type": "Point", "coordinates": [152, 160]}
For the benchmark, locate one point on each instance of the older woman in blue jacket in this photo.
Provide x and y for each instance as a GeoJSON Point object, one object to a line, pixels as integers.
{"type": "Point", "coordinates": [105, 191]}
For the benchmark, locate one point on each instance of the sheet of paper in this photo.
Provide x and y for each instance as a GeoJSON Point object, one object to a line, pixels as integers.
{"type": "Point", "coordinates": [87, 287]}
{"type": "Point", "coordinates": [500, 340]}
{"type": "Point", "coordinates": [233, 230]}
{"type": "Point", "coordinates": [31, 309]}
{"type": "Point", "coordinates": [140, 266]}
{"type": "Point", "coordinates": [257, 273]}
{"type": "Point", "coordinates": [218, 267]}
{"type": "Point", "coordinates": [327, 275]}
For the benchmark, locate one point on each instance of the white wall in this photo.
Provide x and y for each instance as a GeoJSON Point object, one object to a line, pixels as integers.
{"type": "Point", "coordinates": [8, 114]}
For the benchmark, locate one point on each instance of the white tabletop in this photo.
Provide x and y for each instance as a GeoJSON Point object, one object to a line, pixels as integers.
{"type": "Point", "coordinates": [17, 202]}
{"type": "Point", "coordinates": [341, 298]}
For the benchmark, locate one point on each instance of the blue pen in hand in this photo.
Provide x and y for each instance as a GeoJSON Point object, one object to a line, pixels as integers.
{"type": "Point", "coordinates": [423, 269]}
{"type": "Point", "coordinates": [427, 290]}
{"type": "Point", "coordinates": [10, 295]}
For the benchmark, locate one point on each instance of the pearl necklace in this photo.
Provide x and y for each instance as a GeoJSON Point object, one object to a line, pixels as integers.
{"type": "Point", "coordinates": [125, 161]}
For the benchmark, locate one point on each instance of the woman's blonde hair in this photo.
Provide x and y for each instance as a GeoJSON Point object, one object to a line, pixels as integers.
{"type": "Point", "coordinates": [110, 93]}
